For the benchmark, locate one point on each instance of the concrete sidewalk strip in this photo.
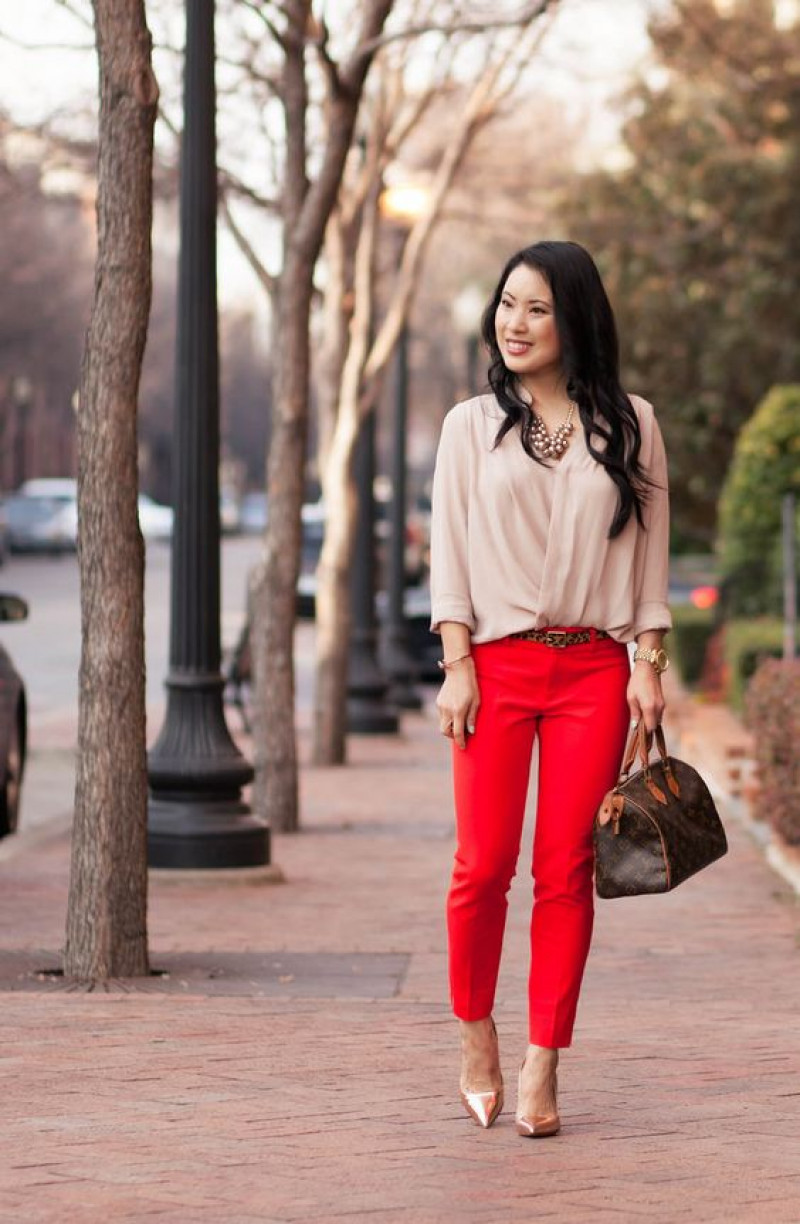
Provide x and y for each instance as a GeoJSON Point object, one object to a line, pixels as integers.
{"type": "Point", "coordinates": [316, 975]}
{"type": "Point", "coordinates": [308, 1069]}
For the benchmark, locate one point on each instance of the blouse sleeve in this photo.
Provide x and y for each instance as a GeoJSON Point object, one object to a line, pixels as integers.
{"type": "Point", "coordinates": [651, 610]}
{"type": "Point", "coordinates": [450, 588]}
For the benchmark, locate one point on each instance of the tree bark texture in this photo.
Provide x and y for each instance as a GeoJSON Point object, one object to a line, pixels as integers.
{"type": "Point", "coordinates": [307, 208]}
{"type": "Point", "coordinates": [106, 932]}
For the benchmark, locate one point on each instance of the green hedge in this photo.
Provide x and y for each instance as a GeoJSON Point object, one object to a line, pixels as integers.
{"type": "Point", "coordinates": [691, 629]}
{"type": "Point", "coordinates": [747, 644]}
{"type": "Point", "coordinates": [765, 466]}
{"type": "Point", "coordinates": [773, 714]}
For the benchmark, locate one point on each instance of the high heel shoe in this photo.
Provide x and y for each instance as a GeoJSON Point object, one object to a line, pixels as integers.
{"type": "Point", "coordinates": [484, 1107]}
{"type": "Point", "coordinates": [536, 1126]}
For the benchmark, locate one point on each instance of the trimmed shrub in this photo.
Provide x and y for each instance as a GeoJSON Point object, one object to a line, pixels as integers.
{"type": "Point", "coordinates": [691, 630]}
{"type": "Point", "coordinates": [765, 466]}
{"type": "Point", "coordinates": [747, 644]}
{"type": "Point", "coordinates": [773, 715]}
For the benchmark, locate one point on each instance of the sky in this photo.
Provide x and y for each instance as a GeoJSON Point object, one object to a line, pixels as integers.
{"type": "Point", "coordinates": [594, 45]}
{"type": "Point", "coordinates": [590, 53]}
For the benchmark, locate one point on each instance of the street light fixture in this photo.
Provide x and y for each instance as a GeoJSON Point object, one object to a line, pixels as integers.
{"type": "Point", "coordinates": [468, 307]}
{"type": "Point", "coordinates": [402, 205]}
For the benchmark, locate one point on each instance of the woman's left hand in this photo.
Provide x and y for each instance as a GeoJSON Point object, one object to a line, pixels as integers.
{"type": "Point", "coordinates": [645, 697]}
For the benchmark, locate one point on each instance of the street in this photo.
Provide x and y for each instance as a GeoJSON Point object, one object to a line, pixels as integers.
{"type": "Point", "coordinates": [46, 652]}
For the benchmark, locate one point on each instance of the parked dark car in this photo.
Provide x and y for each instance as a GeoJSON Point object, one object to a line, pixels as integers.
{"type": "Point", "coordinates": [13, 724]}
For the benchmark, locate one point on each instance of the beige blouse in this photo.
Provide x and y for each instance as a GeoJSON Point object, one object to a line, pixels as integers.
{"type": "Point", "coordinates": [517, 545]}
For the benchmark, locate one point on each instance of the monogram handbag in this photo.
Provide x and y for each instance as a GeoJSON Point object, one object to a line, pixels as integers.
{"type": "Point", "coordinates": [657, 827]}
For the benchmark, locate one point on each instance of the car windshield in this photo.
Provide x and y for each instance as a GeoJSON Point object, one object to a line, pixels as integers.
{"type": "Point", "coordinates": [23, 511]}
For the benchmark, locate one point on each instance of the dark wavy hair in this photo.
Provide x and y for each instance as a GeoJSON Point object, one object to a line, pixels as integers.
{"type": "Point", "coordinates": [590, 358]}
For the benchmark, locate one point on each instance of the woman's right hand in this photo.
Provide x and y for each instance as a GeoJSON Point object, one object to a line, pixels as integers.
{"type": "Point", "coordinates": [458, 702]}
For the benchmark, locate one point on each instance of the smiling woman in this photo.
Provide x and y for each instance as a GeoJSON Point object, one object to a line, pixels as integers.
{"type": "Point", "coordinates": [548, 554]}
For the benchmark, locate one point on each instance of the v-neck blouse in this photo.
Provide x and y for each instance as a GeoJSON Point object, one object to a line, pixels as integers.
{"type": "Point", "coordinates": [518, 545]}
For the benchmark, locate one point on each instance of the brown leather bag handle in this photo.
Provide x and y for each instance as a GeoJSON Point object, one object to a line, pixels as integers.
{"type": "Point", "coordinates": [642, 739]}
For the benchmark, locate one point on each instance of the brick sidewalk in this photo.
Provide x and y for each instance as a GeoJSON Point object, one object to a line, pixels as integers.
{"type": "Point", "coordinates": [313, 1075]}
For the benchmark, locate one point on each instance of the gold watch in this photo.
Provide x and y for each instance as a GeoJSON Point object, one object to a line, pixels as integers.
{"type": "Point", "coordinates": [659, 658]}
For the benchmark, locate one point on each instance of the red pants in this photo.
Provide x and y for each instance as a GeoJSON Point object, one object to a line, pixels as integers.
{"type": "Point", "coordinates": [574, 698]}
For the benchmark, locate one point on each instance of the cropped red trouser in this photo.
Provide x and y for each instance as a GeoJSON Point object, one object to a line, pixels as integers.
{"type": "Point", "coordinates": [574, 699]}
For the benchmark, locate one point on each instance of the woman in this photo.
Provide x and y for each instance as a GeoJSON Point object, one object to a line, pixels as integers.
{"type": "Point", "coordinates": [549, 553]}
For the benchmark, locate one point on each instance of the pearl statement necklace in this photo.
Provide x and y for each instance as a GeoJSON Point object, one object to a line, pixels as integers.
{"type": "Point", "coordinates": [551, 445]}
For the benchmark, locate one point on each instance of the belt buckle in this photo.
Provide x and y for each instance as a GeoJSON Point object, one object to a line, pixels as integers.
{"type": "Point", "coordinates": [555, 637]}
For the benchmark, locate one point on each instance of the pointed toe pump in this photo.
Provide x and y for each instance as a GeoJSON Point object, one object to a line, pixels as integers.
{"type": "Point", "coordinates": [483, 1107]}
{"type": "Point", "coordinates": [536, 1126]}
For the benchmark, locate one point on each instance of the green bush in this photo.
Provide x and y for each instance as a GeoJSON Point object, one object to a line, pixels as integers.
{"type": "Point", "coordinates": [691, 631]}
{"type": "Point", "coordinates": [747, 644]}
{"type": "Point", "coordinates": [765, 466]}
{"type": "Point", "coordinates": [773, 715]}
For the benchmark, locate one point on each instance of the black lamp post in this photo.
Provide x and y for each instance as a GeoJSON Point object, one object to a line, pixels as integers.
{"type": "Point", "coordinates": [21, 391]}
{"type": "Point", "coordinates": [369, 712]}
{"type": "Point", "coordinates": [467, 309]}
{"type": "Point", "coordinates": [397, 660]}
{"type": "Point", "coordinates": [197, 816]}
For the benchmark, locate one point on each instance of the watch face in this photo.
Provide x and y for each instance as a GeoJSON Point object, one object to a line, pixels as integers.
{"type": "Point", "coordinates": [662, 660]}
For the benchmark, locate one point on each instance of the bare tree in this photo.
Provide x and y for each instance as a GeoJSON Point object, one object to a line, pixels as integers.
{"type": "Point", "coordinates": [354, 363]}
{"type": "Point", "coordinates": [107, 913]}
{"type": "Point", "coordinates": [307, 201]}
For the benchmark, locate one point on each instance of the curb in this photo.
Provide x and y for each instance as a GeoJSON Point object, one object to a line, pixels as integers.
{"type": "Point", "coordinates": [270, 874]}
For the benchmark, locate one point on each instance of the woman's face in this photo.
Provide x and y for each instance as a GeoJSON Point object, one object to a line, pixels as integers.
{"type": "Point", "coordinates": [525, 324]}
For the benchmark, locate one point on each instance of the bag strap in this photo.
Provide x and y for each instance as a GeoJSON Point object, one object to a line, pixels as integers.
{"type": "Point", "coordinates": [642, 739]}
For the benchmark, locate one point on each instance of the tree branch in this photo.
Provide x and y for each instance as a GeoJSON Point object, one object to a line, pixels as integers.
{"type": "Point", "coordinates": [321, 196]}
{"type": "Point", "coordinates": [54, 46]}
{"type": "Point", "coordinates": [75, 12]}
{"type": "Point", "coordinates": [263, 275]}
{"type": "Point", "coordinates": [231, 184]}
{"type": "Point", "coordinates": [529, 12]}
{"type": "Point", "coordinates": [319, 36]}
{"type": "Point", "coordinates": [476, 113]}
{"type": "Point", "coordinates": [256, 8]}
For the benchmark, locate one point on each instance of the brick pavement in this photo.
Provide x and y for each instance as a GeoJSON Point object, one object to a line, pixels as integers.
{"type": "Point", "coordinates": [680, 1098]}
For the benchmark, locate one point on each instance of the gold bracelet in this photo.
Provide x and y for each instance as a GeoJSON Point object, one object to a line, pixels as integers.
{"type": "Point", "coordinates": [445, 665]}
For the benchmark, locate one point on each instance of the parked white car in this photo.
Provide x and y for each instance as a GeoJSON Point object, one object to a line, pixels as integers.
{"type": "Point", "coordinates": [155, 520]}
{"type": "Point", "coordinates": [41, 517]}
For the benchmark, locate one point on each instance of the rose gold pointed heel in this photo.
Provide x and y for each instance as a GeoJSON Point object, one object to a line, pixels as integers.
{"type": "Point", "coordinates": [536, 1126]}
{"type": "Point", "coordinates": [484, 1107]}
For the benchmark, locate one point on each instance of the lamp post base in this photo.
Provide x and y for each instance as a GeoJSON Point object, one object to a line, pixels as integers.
{"type": "Point", "coordinates": [371, 716]}
{"type": "Point", "coordinates": [400, 669]}
{"type": "Point", "coordinates": [196, 815]}
{"type": "Point", "coordinates": [198, 834]}
{"type": "Point", "coordinates": [369, 710]}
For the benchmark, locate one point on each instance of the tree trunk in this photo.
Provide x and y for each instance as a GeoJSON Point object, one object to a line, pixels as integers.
{"type": "Point", "coordinates": [341, 501]}
{"type": "Point", "coordinates": [274, 589]}
{"type": "Point", "coordinates": [307, 207]}
{"type": "Point", "coordinates": [107, 911]}
{"type": "Point", "coordinates": [333, 596]}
